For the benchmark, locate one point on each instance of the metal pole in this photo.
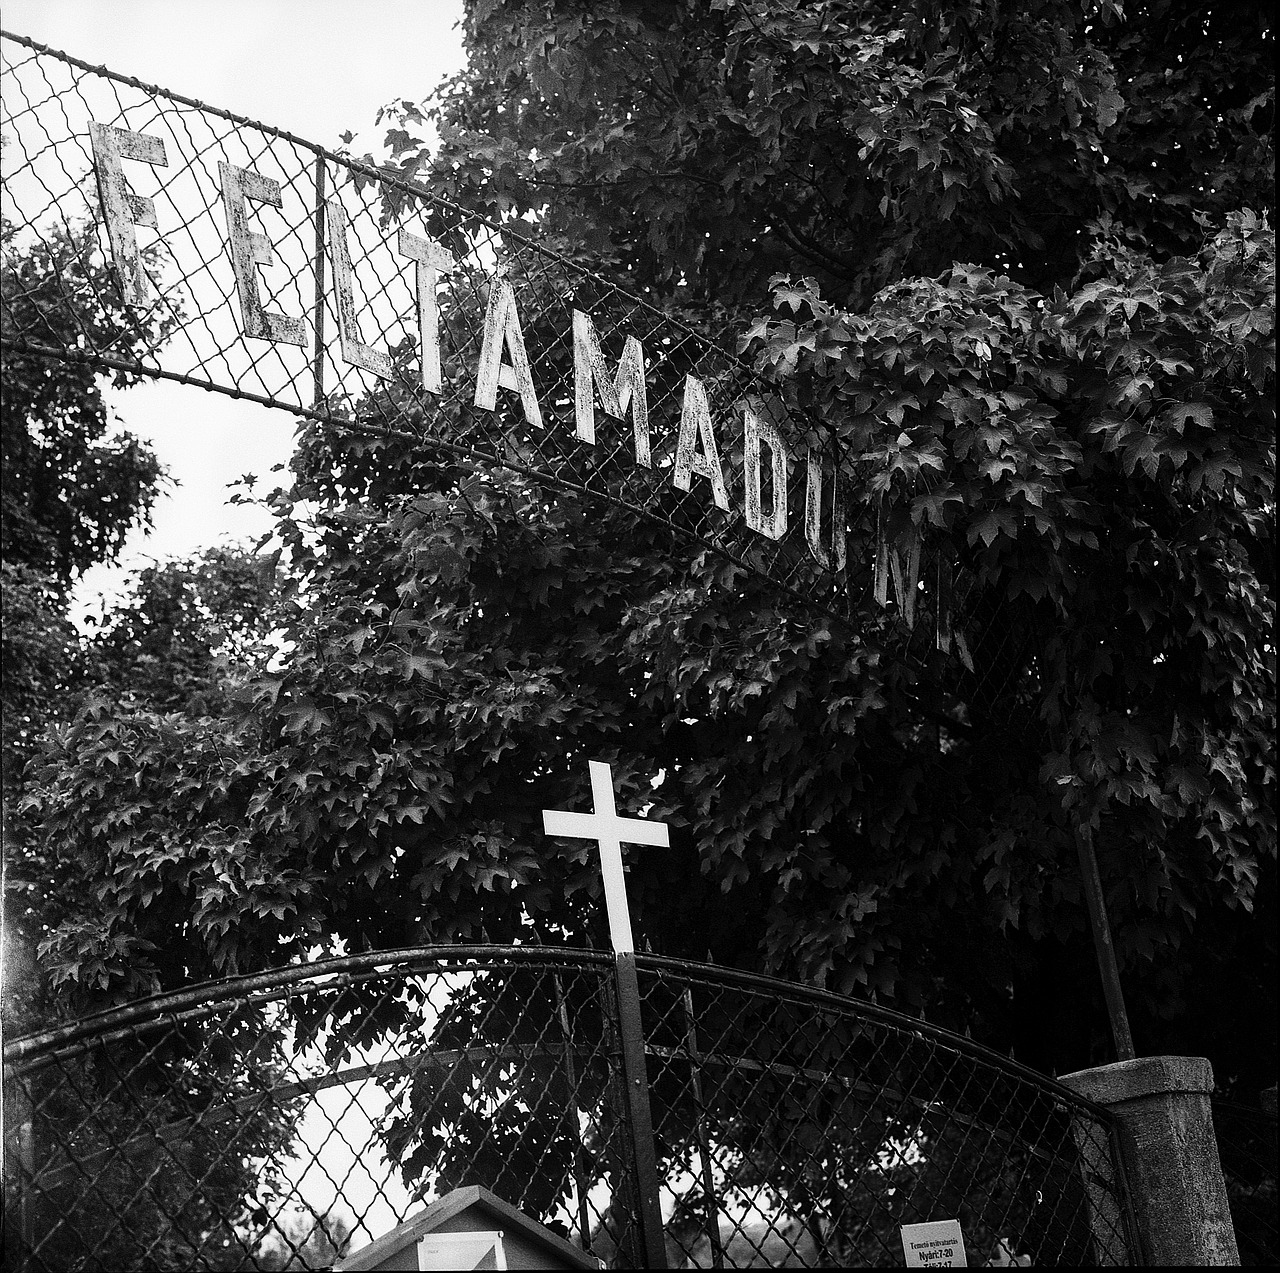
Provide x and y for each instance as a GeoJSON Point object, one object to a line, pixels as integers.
{"type": "Point", "coordinates": [640, 1118]}
{"type": "Point", "coordinates": [624, 1234]}
{"type": "Point", "coordinates": [317, 366]}
{"type": "Point", "coordinates": [4, 945]}
{"type": "Point", "coordinates": [1102, 944]}
{"type": "Point", "coordinates": [22, 1182]}
{"type": "Point", "coordinates": [579, 1173]}
{"type": "Point", "coordinates": [700, 1128]}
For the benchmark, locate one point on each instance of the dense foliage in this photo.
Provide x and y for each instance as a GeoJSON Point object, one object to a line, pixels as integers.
{"type": "Point", "coordinates": [74, 483]}
{"type": "Point", "coordinates": [71, 486]}
{"type": "Point", "coordinates": [1018, 257]}
{"type": "Point", "coordinates": [704, 147]}
{"type": "Point", "coordinates": [169, 654]}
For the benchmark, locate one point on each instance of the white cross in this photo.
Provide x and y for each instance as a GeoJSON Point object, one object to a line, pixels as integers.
{"type": "Point", "coordinates": [610, 831]}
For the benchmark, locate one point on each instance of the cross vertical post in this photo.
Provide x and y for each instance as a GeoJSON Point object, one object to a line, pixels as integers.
{"type": "Point", "coordinates": [610, 832]}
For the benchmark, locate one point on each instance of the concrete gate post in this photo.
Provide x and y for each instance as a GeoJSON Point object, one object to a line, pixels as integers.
{"type": "Point", "coordinates": [1178, 1195]}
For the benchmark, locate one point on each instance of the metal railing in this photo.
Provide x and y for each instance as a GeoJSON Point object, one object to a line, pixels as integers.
{"type": "Point", "coordinates": [286, 1119]}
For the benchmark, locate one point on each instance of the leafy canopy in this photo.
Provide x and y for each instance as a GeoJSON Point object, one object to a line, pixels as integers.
{"type": "Point", "coordinates": [1019, 259]}
{"type": "Point", "coordinates": [71, 487]}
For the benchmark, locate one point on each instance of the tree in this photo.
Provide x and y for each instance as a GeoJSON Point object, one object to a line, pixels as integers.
{"type": "Point", "coordinates": [704, 148]}
{"type": "Point", "coordinates": [186, 632]}
{"type": "Point", "coordinates": [166, 662]}
{"type": "Point", "coordinates": [1018, 261]}
{"type": "Point", "coordinates": [1025, 290]}
{"type": "Point", "coordinates": [72, 487]}
{"type": "Point", "coordinates": [1079, 158]}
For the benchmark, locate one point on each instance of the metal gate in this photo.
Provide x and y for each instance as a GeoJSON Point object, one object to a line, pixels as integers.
{"type": "Point", "coordinates": [283, 1120]}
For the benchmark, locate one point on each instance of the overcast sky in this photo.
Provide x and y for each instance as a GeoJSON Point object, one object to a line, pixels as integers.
{"type": "Point", "coordinates": [316, 68]}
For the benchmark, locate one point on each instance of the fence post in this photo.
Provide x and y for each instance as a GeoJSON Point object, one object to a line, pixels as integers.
{"type": "Point", "coordinates": [1103, 947]}
{"type": "Point", "coordinates": [1170, 1155]}
{"type": "Point", "coordinates": [1105, 1192]}
{"type": "Point", "coordinates": [704, 1141]}
{"type": "Point", "coordinates": [317, 368]}
{"type": "Point", "coordinates": [639, 1116]}
{"type": "Point", "coordinates": [19, 1184]}
{"type": "Point", "coordinates": [579, 1175]}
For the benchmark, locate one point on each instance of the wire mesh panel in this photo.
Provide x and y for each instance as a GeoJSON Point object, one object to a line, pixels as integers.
{"type": "Point", "coordinates": [801, 1129]}
{"type": "Point", "coordinates": [289, 1119]}
{"type": "Point", "coordinates": [253, 263]}
{"type": "Point", "coordinates": [1246, 1137]}
{"type": "Point", "coordinates": [280, 1121]}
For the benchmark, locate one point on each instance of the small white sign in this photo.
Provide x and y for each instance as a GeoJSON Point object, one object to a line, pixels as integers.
{"type": "Point", "coordinates": [461, 1251]}
{"type": "Point", "coordinates": [939, 1244]}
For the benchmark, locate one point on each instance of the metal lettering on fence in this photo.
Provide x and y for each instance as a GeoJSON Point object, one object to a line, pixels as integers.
{"type": "Point", "coordinates": [288, 1118]}
{"type": "Point", "coordinates": [256, 264]}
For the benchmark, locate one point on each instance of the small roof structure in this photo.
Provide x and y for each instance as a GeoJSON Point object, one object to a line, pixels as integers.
{"type": "Point", "coordinates": [526, 1244]}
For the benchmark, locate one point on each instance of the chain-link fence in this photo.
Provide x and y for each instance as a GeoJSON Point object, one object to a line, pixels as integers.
{"type": "Point", "coordinates": [257, 230]}
{"type": "Point", "coordinates": [284, 1120]}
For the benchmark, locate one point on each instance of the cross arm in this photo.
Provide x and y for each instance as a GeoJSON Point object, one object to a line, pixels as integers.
{"type": "Point", "coordinates": [637, 831]}
{"type": "Point", "coordinates": [578, 826]}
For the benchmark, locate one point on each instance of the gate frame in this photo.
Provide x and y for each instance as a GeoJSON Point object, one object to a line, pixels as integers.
{"type": "Point", "coordinates": [622, 994]}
